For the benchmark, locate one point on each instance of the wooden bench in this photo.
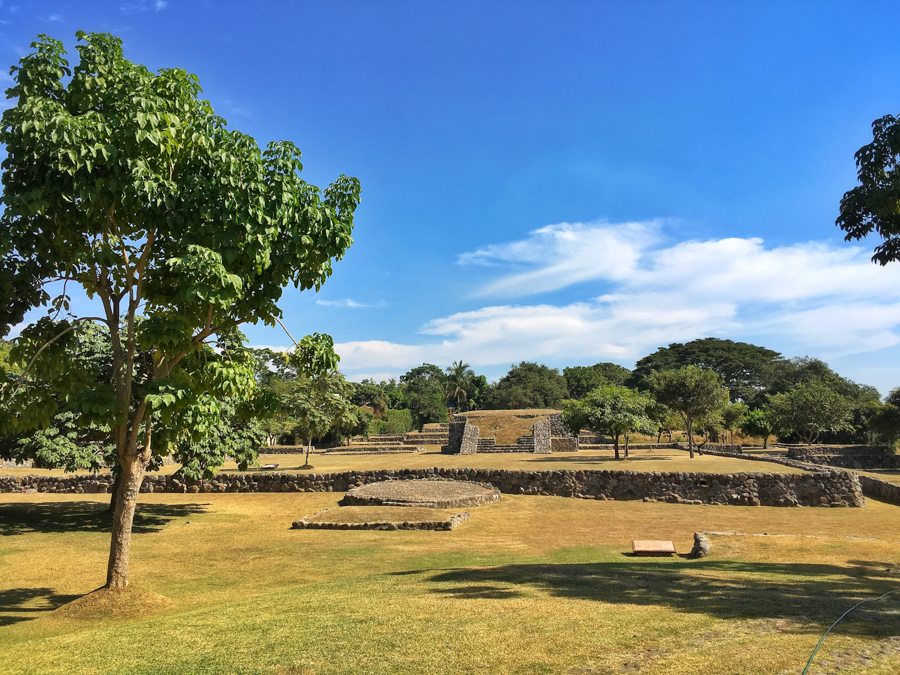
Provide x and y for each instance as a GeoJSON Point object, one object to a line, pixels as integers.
{"type": "Point", "coordinates": [649, 547]}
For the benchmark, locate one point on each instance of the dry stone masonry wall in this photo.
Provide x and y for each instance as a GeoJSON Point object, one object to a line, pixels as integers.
{"type": "Point", "coordinates": [834, 488]}
{"type": "Point", "coordinates": [847, 457]}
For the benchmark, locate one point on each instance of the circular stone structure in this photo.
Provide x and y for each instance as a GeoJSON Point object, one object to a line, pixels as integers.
{"type": "Point", "coordinates": [435, 494]}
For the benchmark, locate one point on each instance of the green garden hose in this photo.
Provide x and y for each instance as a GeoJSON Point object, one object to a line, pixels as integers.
{"type": "Point", "coordinates": [819, 643]}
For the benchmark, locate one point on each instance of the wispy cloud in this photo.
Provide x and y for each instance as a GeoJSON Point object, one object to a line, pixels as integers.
{"type": "Point", "coordinates": [235, 109]}
{"type": "Point", "coordinates": [806, 298]}
{"type": "Point", "coordinates": [557, 256]}
{"type": "Point", "coordinates": [54, 17]}
{"type": "Point", "coordinates": [143, 6]}
{"type": "Point", "coordinates": [347, 302]}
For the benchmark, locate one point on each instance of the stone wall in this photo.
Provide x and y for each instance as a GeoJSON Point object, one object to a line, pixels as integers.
{"type": "Point", "coordinates": [835, 488]}
{"type": "Point", "coordinates": [847, 457]}
{"type": "Point", "coordinates": [542, 437]}
{"type": "Point", "coordinates": [880, 489]}
{"type": "Point", "coordinates": [560, 444]}
{"type": "Point", "coordinates": [463, 439]}
{"type": "Point", "coordinates": [557, 428]}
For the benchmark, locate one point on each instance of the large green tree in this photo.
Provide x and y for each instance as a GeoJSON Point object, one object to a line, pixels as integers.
{"type": "Point", "coordinates": [528, 385]}
{"type": "Point", "coordinates": [125, 183]}
{"type": "Point", "coordinates": [874, 204]}
{"type": "Point", "coordinates": [810, 409]}
{"type": "Point", "coordinates": [609, 410]}
{"type": "Point", "coordinates": [693, 392]}
{"type": "Point", "coordinates": [742, 366]}
{"type": "Point", "coordinates": [582, 379]}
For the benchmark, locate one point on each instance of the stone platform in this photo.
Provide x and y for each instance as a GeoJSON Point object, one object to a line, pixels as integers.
{"type": "Point", "coordinates": [436, 494]}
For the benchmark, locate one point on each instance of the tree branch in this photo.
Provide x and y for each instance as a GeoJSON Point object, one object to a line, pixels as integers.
{"type": "Point", "coordinates": [47, 344]}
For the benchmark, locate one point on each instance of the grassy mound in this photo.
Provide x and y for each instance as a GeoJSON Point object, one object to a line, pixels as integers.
{"type": "Point", "coordinates": [105, 605]}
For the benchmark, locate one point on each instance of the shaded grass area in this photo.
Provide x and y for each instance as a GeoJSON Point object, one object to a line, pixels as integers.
{"type": "Point", "coordinates": [87, 516]}
{"type": "Point", "coordinates": [528, 585]}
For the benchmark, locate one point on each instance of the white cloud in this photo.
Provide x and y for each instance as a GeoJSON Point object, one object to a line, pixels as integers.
{"type": "Point", "coordinates": [235, 109]}
{"type": "Point", "coordinates": [565, 254]}
{"type": "Point", "coordinates": [54, 17]}
{"type": "Point", "coordinates": [808, 298]}
{"type": "Point", "coordinates": [345, 302]}
{"type": "Point", "coordinates": [143, 6]}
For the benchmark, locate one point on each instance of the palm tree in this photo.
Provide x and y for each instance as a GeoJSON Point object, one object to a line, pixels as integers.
{"type": "Point", "coordinates": [459, 374]}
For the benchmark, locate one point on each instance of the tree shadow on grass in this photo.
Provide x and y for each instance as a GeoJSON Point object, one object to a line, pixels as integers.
{"type": "Point", "coordinates": [30, 602]}
{"type": "Point", "coordinates": [813, 595]}
{"type": "Point", "coordinates": [46, 517]}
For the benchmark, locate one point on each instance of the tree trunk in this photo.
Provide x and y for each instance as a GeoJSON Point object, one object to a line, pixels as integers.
{"type": "Point", "coordinates": [114, 493]}
{"type": "Point", "coordinates": [659, 437]}
{"type": "Point", "coordinates": [308, 445]}
{"type": "Point", "coordinates": [123, 516]}
{"type": "Point", "coordinates": [626, 446]}
{"type": "Point", "coordinates": [690, 428]}
{"type": "Point", "coordinates": [765, 441]}
{"type": "Point", "coordinates": [616, 445]}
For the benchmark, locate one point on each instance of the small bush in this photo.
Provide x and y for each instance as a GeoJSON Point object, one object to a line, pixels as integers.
{"type": "Point", "coordinates": [392, 422]}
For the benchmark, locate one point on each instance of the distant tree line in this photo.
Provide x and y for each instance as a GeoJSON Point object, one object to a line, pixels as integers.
{"type": "Point", "coordinates": [709, 387]}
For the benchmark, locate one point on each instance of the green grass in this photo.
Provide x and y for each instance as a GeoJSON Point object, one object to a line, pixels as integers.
{"type": "Point", "coordinates": [527, 585]}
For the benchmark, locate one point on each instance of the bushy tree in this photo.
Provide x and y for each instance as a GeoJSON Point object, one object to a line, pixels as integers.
{"type": "Point", "coordinates": [582, 379]}
{"type": "Point", "coordinates": [528, 385]}
{"type": "Point", "coordinates": [760, 423]}
{"type": "Point", "coordinates": [809, 409]}
{"type": "Point", "coordinates": [733, 417]}
{"type": "Point", "coordinates": [394, 422]}
{"type": "Point", "coordinates": [320, 404]}
{"type": "Point", "coordinates": [741, 366]}
{"type": "Point", "coordinates": [609, 410]}
{"type": "Point", "coordinates": [125, 183]}
{"type": "Point", "coordinates": [885, 423]}
{"type": "Point", "coordinates": [694, 393]}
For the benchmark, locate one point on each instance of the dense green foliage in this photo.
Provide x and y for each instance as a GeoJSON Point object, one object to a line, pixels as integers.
{"type": "Point", "coordinates": [528, 385]}
{"type": "Point", "coordinates": [874, 204]}
{"type": "Point", "coordinates": [760, 423]}
{"type": "Point", "coordinates": [393, 422]}
{"type": "Point", "coordinates": [742, 367]}
{"type": "Point", "coordinates": [125, 183]}
{"type": "Point", "coordinates": [582, 379]}
{"type": "Point", "coordinates": [610, 410]}
{"type": "Point", "coordinates": [810, 408]}
{"type": "Point", "coordinates": [693, 392]}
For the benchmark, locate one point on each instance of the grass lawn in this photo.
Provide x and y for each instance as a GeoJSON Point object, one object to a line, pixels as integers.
{"type": "Point", "coordinates": [527, 585]}
{"type": "Point", "coordinates": [664, 459]}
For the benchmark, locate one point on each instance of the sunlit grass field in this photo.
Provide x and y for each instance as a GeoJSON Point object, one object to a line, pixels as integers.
{"type": "Point", "coordinates": [664, 459]}
{"type": "Point", "coordinates": [527, 585]}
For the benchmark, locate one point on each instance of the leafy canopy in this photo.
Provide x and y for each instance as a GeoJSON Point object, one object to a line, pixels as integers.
{"type": "Point", "coordinates": [809, 409]}
{"type": "Point", "coordinates": [693, 392]}
{"type": "Point", "coordinates": [610, 410]}
{"type": "Point", "coordinates": [874, 204]}
{"type": "Point", "coordinates": [741, 366]}
{"type": "Point", "coordinates": [125, 183]}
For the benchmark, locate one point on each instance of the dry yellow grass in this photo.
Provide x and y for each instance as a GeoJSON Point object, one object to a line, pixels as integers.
{"type": "Point", "coordinates": [640, 460]}
{"type": "Point", "coordinates": [506, 425]}
{"type": "Point", "coordinates": [527, 585]}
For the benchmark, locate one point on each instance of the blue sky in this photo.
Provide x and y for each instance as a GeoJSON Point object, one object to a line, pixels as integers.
{"type": "Point", "coordinates": [564, 182]}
